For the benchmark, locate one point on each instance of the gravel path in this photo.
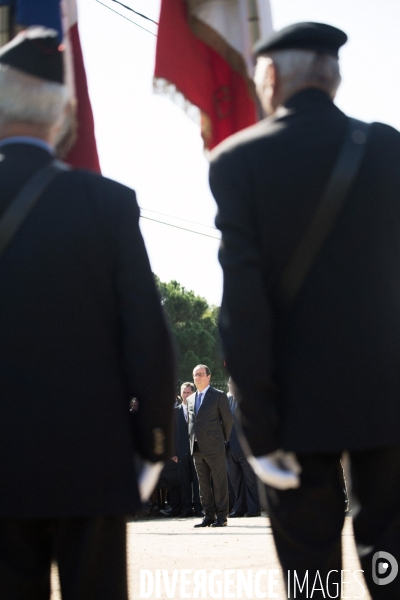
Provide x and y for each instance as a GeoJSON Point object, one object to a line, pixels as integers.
{"type": "Point", "coordinates": [173, 544]}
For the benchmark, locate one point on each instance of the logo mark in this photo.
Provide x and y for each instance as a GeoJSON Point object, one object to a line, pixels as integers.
{"type": "Point", "coordinates": [384, 568]}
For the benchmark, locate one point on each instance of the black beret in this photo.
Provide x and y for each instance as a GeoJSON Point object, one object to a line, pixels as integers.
{"type": "Point", "coordinates": [36, 51]}
{"type": "Point", "coordinates": [317, 37]}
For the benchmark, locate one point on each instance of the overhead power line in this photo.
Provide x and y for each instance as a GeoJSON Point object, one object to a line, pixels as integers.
{"type": "Point", "coordinates": [124, 17]}
{"type": "Point", "coordinates": [213, 237]}
{"type": "Point", "coordinates": [178, 218]}
{"type": "Point", "coordinates": [136, 12]}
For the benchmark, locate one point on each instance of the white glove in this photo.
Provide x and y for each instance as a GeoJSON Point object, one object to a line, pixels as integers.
{"type": "Point", "coordinates": [279, 469]}
{"type": "Point", "coordinates": [148, 475]}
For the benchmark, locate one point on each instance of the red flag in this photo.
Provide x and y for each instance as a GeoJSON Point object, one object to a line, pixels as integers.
{"type": "Point", "coordinates": [196, 55]}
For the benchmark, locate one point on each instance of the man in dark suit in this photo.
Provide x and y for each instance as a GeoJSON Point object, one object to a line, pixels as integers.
{"type": "Point", "coordinates": [242, 476]}
{"type": "Point", "coordinates": [82, 333]}
{"type": "Point", "coordinates": [187, 471]}
{"type": "Point", "coordinates": [325, 377]}
{"type": "Point", "coordinates": [210, 425]}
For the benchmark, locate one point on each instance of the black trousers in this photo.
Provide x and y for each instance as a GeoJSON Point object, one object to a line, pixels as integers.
{"type": "Point", "coordinates": [190, 484]}
{"type": "Point", "coordinates": [90, 553]}
{"type": "Point", "coordinates": [212, 467]}
{"type": "Point", "coordinates": [244, 483]}
{"type": "Point", "coordinates": [307, 522]}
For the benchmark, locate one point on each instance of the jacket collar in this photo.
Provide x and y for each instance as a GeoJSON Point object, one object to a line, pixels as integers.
{"type": "Point", "coordinates": [27, 140]}
{"type": "Point", "coordinates": [307, 98]}
{"type": "Point", "coordinates": [310, 100]}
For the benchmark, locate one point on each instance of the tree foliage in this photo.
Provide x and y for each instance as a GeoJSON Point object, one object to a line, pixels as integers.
{"type": "Point", "coordinates": [194, 327]}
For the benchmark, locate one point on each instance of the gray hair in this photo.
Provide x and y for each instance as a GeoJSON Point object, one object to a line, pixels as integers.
{"type": "Point", "coordinates": [28, 99]}
{"type": "Point", "coordinates": [304, 68]}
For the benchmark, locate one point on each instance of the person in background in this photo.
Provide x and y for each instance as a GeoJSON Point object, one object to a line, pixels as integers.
{"type": "Point", "coordinates": [242, 476]}
{"type": "Point", "coordinates": [187, 472]}
{"type": "Point", "coordinates": [210, 425]}
{"type": "Point", "coordinates": [170, 483]}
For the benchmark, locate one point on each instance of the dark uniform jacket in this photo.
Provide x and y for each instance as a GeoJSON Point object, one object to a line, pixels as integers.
{"type": "Point", "coordinates": [213, 423]}
{"type": "Point", "coordinates": [182, 445]}
{"type": "Point", "coordinates": [82, 332]}
{"type": "Point", "coordinates": [326, 376]}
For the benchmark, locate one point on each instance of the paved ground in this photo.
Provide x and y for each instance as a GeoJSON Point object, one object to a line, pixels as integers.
{"type": "Point", "coordinates": [173, 544]}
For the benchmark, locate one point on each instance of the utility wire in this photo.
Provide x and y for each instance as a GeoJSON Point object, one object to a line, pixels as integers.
{"type": "Point", "coordinates": [213, 237]}
{"type": "Point", "coordinates": [149, 210]}
{"type": "Point", "coordinates": [135, 11]}
{"type": "Point", "coordinates": [123, 16]}
{"type": "Point", "coordinates": [178, 218]}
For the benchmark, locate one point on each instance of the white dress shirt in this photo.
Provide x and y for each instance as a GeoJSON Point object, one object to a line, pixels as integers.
{"type": "Point", "coordinates": [203, 393]}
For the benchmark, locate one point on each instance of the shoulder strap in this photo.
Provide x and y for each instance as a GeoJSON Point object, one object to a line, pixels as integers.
{"type": "Point", "coordinates": [342, 177]}
{"type": "Point", "coordinates": [23, 203]}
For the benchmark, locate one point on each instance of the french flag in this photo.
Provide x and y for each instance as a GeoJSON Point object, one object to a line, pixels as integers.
{"type": "Point", "coordinates": [62, 16]}
{"type": "Point", "coordinates": [204, 52]}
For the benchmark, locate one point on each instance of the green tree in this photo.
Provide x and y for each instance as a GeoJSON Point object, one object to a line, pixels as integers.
{"type": "Point", "coordinates": [194, 327]}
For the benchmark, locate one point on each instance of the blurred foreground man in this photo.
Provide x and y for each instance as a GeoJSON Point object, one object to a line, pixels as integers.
{"type": "Point", "coordinates": [82, 333]}
{"type": "Point", "coordinates": [315, 360]}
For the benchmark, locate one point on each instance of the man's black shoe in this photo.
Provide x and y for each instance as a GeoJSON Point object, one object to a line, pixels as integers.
{"type": "Point", "coordinates": [234, 514]}
{"type": "Point", "coordinates": [206, 522]}
{"type": "Point", "coordinates": [220, 522]}
{"type": "Point", "coordinates": [253, 513]}
{"type": "Point", "coordinates": [198, 513]}
{"type": "Point", "coordinates": [187, 513]}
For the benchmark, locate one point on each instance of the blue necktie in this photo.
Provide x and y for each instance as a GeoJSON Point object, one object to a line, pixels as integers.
{"type": "Point", "coordinates": [198, 402]}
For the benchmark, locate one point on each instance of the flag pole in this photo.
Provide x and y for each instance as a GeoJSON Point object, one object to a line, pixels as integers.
{"type": "Point", "coordinates": [5, 24]}
{"type": "Point", "coordinates": [254, 21]}
{"type": "Point", "coordinates": [254, 28]}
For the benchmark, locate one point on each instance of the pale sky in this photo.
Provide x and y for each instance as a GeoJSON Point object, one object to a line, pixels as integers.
{"type": "Point", "coordinates": [148, 143]}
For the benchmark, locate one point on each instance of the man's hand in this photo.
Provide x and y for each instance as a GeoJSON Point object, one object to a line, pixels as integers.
{"type": "Point", "coordinates": [174, 458]}
{"type": "Point", "coordinates": [279, 469]}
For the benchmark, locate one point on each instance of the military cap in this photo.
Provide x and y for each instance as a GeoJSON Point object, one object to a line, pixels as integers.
{"type": "Point", "coordinates": [317, 37]}
{"type": "Point", "coordinates": [36, 51]}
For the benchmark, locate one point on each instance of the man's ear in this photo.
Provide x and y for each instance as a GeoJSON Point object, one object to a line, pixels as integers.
{"type": "Point", "coordinates": [275, 86]}
{"type": "Point", "coordinates": [66, 131]}
{"type": "Point", "coordinates": [266, 78]}
{"type": "Point", "coordinates": [272, 75]}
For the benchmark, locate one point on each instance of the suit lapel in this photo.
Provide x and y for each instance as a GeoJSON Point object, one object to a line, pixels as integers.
{"type": "Point", "coordinates": [183, 414]}
{"type": "Point", "coordinates": [191, 404]}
